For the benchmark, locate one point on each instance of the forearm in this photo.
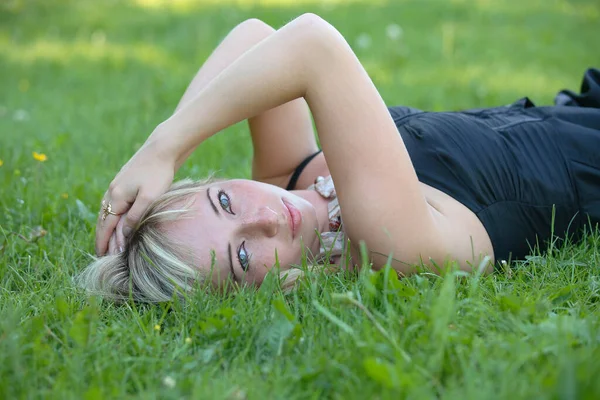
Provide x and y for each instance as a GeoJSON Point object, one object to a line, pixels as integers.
{"type": "Point", "coordinates": [274, 72]}
{"type": "Point", "coordinates": [241, 38]}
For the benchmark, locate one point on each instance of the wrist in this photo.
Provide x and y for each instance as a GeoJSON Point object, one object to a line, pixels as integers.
{"type": "Point", "coordinates": [164, 146]}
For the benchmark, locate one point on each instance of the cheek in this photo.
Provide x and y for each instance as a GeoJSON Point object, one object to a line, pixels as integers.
{"type": "Point", "coordinates": [287, 258]}
{"type": "Point", "coordinates": [287, 255]}
{"type": "Point", "coordinates": [264, 258]}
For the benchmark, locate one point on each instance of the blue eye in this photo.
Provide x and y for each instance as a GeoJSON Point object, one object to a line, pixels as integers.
{"type": "Point", "coordinates": [243, 256]}
{"type": "Point", "coordinates": [225, 202]}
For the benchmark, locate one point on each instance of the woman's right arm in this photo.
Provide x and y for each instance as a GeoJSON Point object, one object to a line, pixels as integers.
{"type": "Point", "coordinates": [380, 196]}
{"type": "Point", "coordinates": [275, 156]}
{"type": "Point", "coordinates": [378, 190]}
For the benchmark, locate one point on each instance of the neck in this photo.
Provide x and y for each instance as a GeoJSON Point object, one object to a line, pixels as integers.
{"type": "Point", "coordinates": [320, 204]}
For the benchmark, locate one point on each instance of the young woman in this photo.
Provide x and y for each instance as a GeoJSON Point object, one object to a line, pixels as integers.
{"type": "Point", "coordinates": [474, 187]}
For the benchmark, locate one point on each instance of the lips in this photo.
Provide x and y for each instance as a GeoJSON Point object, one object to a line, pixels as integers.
{"type": "Point", "coordinates": [295, 218]}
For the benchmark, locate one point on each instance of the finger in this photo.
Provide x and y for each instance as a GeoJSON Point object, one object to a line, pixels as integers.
{"type": "Point", "coordinates": [101, 244]}
{"type": "Point", "coordinates": [106, 223]}
{"type": "Point", "coordinates": [112, 244]}
{"type": "Point", "coordinates": [134, 214]}
{"type": "Point", "coordinates": [119, 234]}
{"type": "Point", "coordinates": [104, 230]}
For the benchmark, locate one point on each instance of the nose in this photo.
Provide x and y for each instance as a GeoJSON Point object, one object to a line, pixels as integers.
{"type": "Point", "coordinates": [264, 221]}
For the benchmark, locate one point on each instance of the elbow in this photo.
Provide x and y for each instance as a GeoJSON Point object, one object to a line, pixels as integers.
{"type": "Point", "coordinates": [318, 37]}
{"type": "Point", "coordinates": [308, 20]}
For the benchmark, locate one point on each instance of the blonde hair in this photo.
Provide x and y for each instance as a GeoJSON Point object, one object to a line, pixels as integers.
{"type": "Point", "coordinates": [153, 268]}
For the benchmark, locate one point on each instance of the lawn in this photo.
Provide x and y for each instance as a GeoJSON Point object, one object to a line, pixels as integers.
{"type": "Point", "coordinates": [82, 85]}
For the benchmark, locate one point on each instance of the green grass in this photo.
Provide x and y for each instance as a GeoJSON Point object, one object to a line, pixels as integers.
{"type": "Point", "coordinates": [84, 82]}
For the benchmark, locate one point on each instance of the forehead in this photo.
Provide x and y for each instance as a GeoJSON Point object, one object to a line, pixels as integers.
{"type": "Point", "coordinates": [204, 233]}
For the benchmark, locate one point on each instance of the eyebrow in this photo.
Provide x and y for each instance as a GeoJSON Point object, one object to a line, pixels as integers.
{"type": "Point", "coordinates": [211, 202]}
{"type": "Point", "coordinates": [235, 278]}
{"type": "Point", "coordinates": [228, 244]}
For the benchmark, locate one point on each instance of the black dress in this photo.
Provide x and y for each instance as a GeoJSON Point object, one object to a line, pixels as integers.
{"type": "Point", "coordinates": [527, 172]}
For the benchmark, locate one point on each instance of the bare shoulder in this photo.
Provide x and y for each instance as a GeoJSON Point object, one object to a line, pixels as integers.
{"type": "Point", "coordinates": [460, 236]}
{"type": "Point", "coordinates": [465, 237]}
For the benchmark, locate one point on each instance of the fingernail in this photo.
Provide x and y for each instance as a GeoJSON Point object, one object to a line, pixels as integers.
{"type": "Point", "coordinates": [126, 231]}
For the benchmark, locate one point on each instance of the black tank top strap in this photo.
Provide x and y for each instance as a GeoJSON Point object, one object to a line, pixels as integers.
{"type": "Point", "coordinates": [294, 179]}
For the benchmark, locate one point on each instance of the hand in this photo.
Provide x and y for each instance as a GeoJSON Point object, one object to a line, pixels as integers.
{"type": "Point", "coordinates": [146, 176]}
{"type": "Point", "coordinates": [116, 243]}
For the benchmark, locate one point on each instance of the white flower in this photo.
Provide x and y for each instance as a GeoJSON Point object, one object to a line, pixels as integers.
{"type": "Point", "coordinates": [168, 382]}
{"type": "Point", "coordinates": [363, 41]}
{"type": "Point", "coordinates": [20, 115]}
{"type": "Point", "coordinates": [394, 31]}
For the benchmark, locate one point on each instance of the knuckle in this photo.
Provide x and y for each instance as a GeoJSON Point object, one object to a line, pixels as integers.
{"type": "Point", "coordinates": [113, 185]}
{"type": "Point", "coordinates": [116, 192]}
{"type": "Point", "coordinates": [145, 198]}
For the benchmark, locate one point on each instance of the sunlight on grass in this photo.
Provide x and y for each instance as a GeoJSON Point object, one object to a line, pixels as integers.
{"type": "Point", "coordinates": [378, 72]}
{"type": "Point", "coordinates": [472, 76]}
{"type": "Point", "coordinates": [185, 5]}
{"type": "Point", "coordinates": [96, 50]}
{"type": "Point", "coordinates": [503, 79]}
{"type": "Point", "coordinates": [566, 7]}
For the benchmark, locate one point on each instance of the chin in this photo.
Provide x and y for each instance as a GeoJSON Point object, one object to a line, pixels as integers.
{"type": "Point", "coordinates": [311, 244]}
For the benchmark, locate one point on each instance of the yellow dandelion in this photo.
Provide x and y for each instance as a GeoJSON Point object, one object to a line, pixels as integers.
{"type": "Point", "coordinates": [65, 195]}
{"type": "Point", "coordinates": [39, 156]}
{"type": "Point", "coordinates": [157, 327]}
{"type": "Point", "coordinates": [1, 163]}
{"type": "Point", "coordinates": [188, 340]}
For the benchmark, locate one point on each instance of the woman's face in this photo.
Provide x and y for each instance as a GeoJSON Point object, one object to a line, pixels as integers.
{"type": "Point", "coordinates": [248, 225]}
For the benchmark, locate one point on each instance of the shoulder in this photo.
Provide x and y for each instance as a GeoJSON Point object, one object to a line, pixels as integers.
{"type": "Point", "coordinates": [464, 237]}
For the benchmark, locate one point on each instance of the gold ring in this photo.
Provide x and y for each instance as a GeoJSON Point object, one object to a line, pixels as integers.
{"type": "Point", "coordinates": [107, 209]}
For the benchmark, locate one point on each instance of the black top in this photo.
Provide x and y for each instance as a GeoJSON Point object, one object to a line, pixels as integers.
{"type": "Point", "coordinates": [294, 179]}
{"type": "Point", "coordinates": [527, 172]}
